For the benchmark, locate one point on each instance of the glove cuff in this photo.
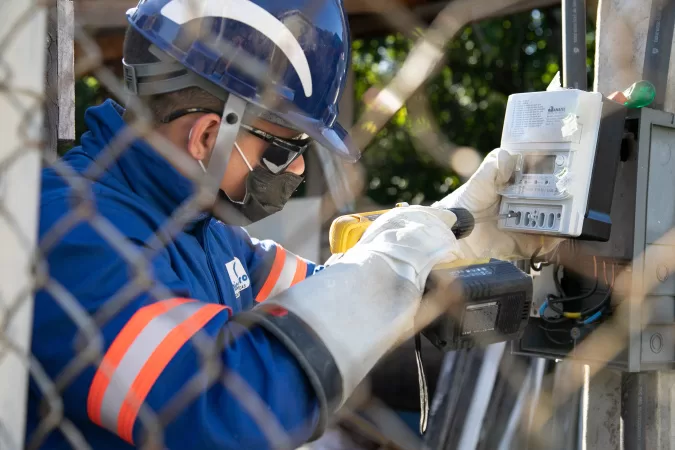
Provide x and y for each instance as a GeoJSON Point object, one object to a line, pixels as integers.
{"type": "Point", "coordinates": [309, 350]}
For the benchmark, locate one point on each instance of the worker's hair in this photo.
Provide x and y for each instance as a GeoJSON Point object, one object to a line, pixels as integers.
{"type": "Point", "coordinates": [137, 51]}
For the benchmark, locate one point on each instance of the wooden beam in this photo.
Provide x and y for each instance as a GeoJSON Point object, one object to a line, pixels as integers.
{"type": "Point", "coordinates": [60, 75]}
{"type": "Point", "coordinates": [110, 44]}
{"type": "Point", "coordinates": [103, 14]}
{"type": "Point", "coordinates": [379, 6]}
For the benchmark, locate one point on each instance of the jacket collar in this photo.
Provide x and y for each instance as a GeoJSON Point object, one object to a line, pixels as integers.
{"type": "Point", "coordinates": [143, 170]}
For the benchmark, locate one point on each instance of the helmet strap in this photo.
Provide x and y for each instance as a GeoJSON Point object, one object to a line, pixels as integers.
{"type": "Point", "coordinates": [230, 121]}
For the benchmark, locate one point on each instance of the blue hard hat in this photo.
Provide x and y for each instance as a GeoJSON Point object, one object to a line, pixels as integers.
{"type": "Point", "coordinates": [288, 59]}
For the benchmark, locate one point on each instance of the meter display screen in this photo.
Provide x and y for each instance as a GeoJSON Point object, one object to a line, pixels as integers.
{"type": "Point", "coordinates": [539, 164]}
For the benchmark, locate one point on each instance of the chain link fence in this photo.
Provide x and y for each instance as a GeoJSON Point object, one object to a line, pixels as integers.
{"type": "Point", "coordinates": [365, 422]}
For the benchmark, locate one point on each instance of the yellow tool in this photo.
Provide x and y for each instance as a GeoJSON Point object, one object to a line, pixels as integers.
{"type": "Point", "coordinates": [346, 231]}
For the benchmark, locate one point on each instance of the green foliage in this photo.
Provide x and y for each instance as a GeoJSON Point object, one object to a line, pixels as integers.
{"type": "Point", "coordinates": [485, 63]}
{"type": "Point", "coordinates": [88, 92]}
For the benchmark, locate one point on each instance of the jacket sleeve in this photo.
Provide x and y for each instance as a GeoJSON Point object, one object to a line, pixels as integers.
{"type": "Point", "coordinates": [147, 356]}
{"type": "Point", "coordinates": [273, 268]}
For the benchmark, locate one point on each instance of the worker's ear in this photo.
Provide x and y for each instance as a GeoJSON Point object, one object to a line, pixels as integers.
{"type": "Point", "coordinates": [202, 137]}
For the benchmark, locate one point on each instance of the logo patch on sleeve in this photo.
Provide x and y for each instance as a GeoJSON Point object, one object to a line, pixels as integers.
{"type": "Point", "coordinates": [238, 276]}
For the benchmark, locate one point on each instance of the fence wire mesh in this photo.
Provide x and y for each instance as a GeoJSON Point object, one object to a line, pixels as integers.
{"type": "Point", "coordinates": [367, 421]}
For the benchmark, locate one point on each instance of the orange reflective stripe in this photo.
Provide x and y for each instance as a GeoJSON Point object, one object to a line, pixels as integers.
{"type": "Point", "coordinates": [273, 277]}
{"type": "Point", "coordinates": [137, 357]}
{"type": "Point", "coordinates": [117, 350]}
{"type": "Point", "coordinates": [154, 366]}
{"type": "Point", "coordinates": [300, 271]}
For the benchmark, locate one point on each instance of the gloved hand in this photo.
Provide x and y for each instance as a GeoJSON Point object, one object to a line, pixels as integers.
{"type": "Point", "coordinates": [364, 304]}
{"type": "Point", "coordinates": [480, 196]}
{"type": "Point", "coordinates": [411, 240]}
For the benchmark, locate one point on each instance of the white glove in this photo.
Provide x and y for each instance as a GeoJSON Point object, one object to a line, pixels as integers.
{"type": "Point", "coordinates": [412, 240]}
{"type": "Point", "coordinates": [364, 304]}
{"type": "Point", "coordinates": [480, 196]}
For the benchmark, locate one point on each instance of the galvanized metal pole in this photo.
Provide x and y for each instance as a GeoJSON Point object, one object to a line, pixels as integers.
{"type": "Point", "coordinates": [574, 44]}
{"type": "Point", "coordinates": [634, 41]}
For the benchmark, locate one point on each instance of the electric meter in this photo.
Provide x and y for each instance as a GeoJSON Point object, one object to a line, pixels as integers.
{"type": "Point", "coordinates": [566, 145]}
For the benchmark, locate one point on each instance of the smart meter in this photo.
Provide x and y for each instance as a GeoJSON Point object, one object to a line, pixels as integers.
{"type": "Point", "coordinates": [566, 145]}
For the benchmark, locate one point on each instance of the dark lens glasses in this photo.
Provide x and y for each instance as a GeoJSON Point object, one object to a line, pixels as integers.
{"type": "Point", "coordinates": [280, 153]}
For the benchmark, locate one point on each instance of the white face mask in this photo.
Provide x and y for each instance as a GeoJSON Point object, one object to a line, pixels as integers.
{"type": "Point", "coordinates": [250, 169]}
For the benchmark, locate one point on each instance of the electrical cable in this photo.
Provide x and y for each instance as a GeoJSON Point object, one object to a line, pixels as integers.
{"type": "Point", "coordinates": [552, 300]}
{"type": "Point", "coordinates": [548, 332]}
{"type": "Point", "coordinates": [593, 318]}
{"type": "Point", "coordinates": [548, 319]}
{"type": "Point", "coordinates": [564, 298]}
{"type": "Point", "coordinates": [586, 316]}
{"type": "Point", "coordinates": [598, 308]}
{"type": "Point", "coordinates": [542, 262]}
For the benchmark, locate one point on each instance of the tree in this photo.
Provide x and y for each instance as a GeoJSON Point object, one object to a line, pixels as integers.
{"type": "Point", "coordinates": [485, 63]}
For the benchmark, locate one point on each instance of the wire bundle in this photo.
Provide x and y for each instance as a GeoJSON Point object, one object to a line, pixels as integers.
{"type": "Point", "coordinates": [583, 317]}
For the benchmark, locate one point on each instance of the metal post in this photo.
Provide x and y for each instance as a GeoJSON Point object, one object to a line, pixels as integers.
{"type": "Point", "coordinates": [509, 395]}
{"type": "Point", "coordinates": [563, 428]}
{"type": "Point", "coordinates": [461, 399]}
{"type": "Point", "coordinates": [659, 44]}
{"type": "Point", "coordinates": [21, 92]}
{"type": "Point", "coordinates": [481, 398]}
{"type": "Point", "coordinates": [456, 383]}
{"type": "Point", "coordinates": [602, 415]}
{"type": "Point", "coordinates": [574, 44]}
{"type": "Point", "coordinates": [647, 410]}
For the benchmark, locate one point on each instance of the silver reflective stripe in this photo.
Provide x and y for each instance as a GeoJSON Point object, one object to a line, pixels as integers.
{"type": "Point", "coordinates": [286, 275]}
{"type": "Point", "coordinates": [135, 358]}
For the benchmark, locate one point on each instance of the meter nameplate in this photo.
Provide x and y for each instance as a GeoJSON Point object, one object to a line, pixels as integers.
{"type": "Point", "coordinates": [538, 117]}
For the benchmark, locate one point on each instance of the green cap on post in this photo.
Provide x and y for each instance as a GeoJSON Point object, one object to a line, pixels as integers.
{"type": "Point", "coordinates": [639, 94]}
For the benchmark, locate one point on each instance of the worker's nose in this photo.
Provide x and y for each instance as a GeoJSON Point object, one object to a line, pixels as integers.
{"type": "Point", "coordinates": [298, 166]}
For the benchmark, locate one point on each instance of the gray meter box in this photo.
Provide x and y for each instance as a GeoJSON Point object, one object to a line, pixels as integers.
{"type": "Point", "coordinates": [642, 241]}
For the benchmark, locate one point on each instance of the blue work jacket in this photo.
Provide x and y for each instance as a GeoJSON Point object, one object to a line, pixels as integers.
{"type": "Point", "coordinates": [117, 324]}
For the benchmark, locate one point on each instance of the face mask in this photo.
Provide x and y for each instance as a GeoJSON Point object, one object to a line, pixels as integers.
{"type": "Point", "coordinates": [266, 193]}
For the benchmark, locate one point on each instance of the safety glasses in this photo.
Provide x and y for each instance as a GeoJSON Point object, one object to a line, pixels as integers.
{"type": "Point", "coordinates": [280, 152]}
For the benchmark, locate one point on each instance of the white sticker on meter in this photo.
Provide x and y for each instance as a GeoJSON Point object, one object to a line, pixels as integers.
{"type": "Point", "coordinates": [570, 125]}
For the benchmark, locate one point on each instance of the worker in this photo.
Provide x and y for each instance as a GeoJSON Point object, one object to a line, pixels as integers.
{"type": "Point", "coordinates": [199, 335]}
